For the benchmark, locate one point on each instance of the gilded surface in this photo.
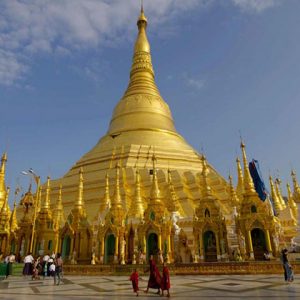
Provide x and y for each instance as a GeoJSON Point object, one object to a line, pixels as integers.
{"type": "Point", "coordinates": [144, 190]}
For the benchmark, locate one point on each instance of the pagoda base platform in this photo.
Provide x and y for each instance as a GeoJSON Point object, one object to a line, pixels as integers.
{"type": "Point", "coordinates": [213, 268]}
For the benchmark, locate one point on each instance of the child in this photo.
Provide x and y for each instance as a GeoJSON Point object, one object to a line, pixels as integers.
{"type": "Point", "coordinates": [165, 282]}
{"type": "Point", "coordinates": [290, 273]}
{"type": "Point", "coordinates": [134, 278]}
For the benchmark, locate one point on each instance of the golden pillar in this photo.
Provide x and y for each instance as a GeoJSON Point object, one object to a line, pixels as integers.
{"type": "Point", "coordinates": [117, 246]}
{"type": "Point", "coordinates": [250, 246]}
{"type": "Point", "coordinates": [144, 245]}
{"type": "Point", "coordinates": [268, 242]}
{"type": "Point", "coordinates": [159, 242]}
{"type": "Point", "coordinates": [102, 246]}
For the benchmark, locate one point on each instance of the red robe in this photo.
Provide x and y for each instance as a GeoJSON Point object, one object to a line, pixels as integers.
{"type": "Point", "coordinates": [134, 278]}
{"type": "Point", "coordinates": [165, 282]}
{"type": "Point", "coordinates": [155, 278]}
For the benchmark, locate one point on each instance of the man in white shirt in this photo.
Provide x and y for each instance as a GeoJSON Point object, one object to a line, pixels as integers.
{"type": "Point", "coordinates": [28, 261]}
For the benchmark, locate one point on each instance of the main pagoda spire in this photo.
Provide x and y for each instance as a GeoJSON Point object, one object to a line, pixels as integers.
{"type": "Point", "coordinates": [142, 107]}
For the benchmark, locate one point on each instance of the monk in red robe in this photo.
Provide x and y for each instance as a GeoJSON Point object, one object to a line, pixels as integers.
{"type": "Point", "coordinates": [134, 278]}
{"type": "Point", "coordinates": [154, 281]}
{"type": "Point", "coordinates": [165, 282]}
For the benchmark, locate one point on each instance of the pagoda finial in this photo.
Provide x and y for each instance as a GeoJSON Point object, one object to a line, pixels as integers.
{"type": "Point", "coordinates": [296, 187]}
{"type": "Point", "coordinates": [276, 201]}
{"type": "Point", "coordinates": [3, 162]}
{"type": "Point", "coordinates": [107, 201]}
{"type": "Point", "coordinates": [233, 196]}
{"type": "Point", "coordinates": [79, 203]}
{"type": "Point", "coordinates": [142, 49]}
{"type": "Point", "coordinates": [240, 182]}
{"type": "Point", "coordinates": [248, 182]}
{"type": "Point", "coordinates": [46, 203]}
{"type": "Point", "coordinates": [59, 198]}
{"type": "Point", "coordinates": [137, 206]}
{"type": "Point", "coordinates": [206, 187]}
{"type": "Point", "coordinates": [291, 202]}
{"type": "Point", "coordinates": [5, 207]}
{"type": "Point", "coordinates": [2, 178]}
{"type": "Point", "coordinates": [155, 192]}
{"type": "Point", "coordinates": [117, 200]}
{"type": "Point", "coordinates": [279, 192]}
{"type": "Point", "coordinates": [13, 218]}
{"type": "Point", "coordinates": [174, 198]}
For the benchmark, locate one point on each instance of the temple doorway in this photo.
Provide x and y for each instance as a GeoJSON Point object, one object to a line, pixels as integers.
{"type": "Point", "coordinates": [66, 247]}
{"type": "Point", "coordinates": [130, 245]}
{"type": "Point", "coordinates": [152, 245]}
{"type": "Point", "coordinates": [258, 243]}
{"type": "Point", "coordinates": [210, 246]}
{"type": "Point", "coordinates": [109, 249]}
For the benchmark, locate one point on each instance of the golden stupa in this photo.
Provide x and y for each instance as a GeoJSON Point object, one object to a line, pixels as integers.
{"type": "Point", "coordinates": [144, 190]}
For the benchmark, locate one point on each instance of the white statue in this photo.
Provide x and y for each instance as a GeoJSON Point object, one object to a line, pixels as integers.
{"type": "Point", "coordinates": [175, 219]}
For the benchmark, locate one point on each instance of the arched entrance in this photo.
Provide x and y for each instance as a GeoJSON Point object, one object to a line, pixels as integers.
{"type": "Point", "coordinates": [130, 245]}
{"type": "Point", "coordinates": [210, 246]}
{"type": "Point", "coordinates": [258, 243]}
{"type": "Point", "coordinates": [66, 247]}
{"type": "Point", "coordinates": [109, 249]}
{"type": "Point", "coordinates": [152, 244]}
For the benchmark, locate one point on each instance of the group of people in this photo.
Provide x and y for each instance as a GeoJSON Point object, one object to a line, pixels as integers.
{"type": "Point", "coordinates": [156, 280]}
{"type": "Point", "coordinates": [43, 266]}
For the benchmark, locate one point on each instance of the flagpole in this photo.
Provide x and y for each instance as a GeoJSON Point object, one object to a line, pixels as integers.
{"type": "Point", "coordinates": [37, 178]}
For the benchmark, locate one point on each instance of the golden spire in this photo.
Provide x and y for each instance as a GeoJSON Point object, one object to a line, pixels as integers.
{"type": "Point", "coordinates": [5, 207]}
{"type": "Point", "coordinates": [240, 183]}
{"type": "Point", "coordinates": [206, 188]}
{"type": "Point", "coordinates": [117, 200]}
{"type": "Point", "coordinates": [59, 198]}
{"type": "Point", "coordinates": [58, 211]}
{"type": "Point", "coordinates": [174, 204]}
{"type": "Point", "coordinates": [276, 201]}
{"type": "Point", "coordinates": [296, 187]}
{"type": "Point", "coordinates": [155, 192]}
{"type": "Point", "coordinates": [233, 197]}
{"type": "Point", "coordinates": [46, 203]}
{"type": "Point", "coordinates": [13, 219]}
{"type": "Point", "coordinates": [248, 183]}
{"type": "Point", "coordinates": [79, 202]}
{"type": "Point", "coordinates": [291, 202]}
{"type": "Point", "coordinates": [142, 107]}
{"type": "Point", "coordinates": [279, 193]}
{"type": "Point", "coordinates": [2, 178]}
{"type": "Point", "coordinates": [137, 206]}
{"type": "Point", "coordinates": [107, 201]}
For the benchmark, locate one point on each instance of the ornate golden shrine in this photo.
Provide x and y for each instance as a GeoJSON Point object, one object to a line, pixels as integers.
{"type": "Point", "coordinates": [143, 190]}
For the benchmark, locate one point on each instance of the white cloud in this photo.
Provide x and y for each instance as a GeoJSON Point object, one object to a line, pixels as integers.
{"type": "Point", "coordinates": [193, 82]}
{"type": "Point", "coordinates": [31, 27]}
{"type": "Point", "coordinates": [255, 5]}
{"type": "Point", "coordinates": [10, 68]}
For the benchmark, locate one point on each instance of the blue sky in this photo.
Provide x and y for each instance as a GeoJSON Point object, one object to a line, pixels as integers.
{"type": "Point", "coordinates": [223, 66]}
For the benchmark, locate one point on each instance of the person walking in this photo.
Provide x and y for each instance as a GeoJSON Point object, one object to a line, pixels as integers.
{"type": "Point", "coordinates": [165, 282]}
{"type": "Point", "coordinates": [288, 271]}
{"type": "Point", "coordinates": [134, 278]}
{"type": "Point", "coordinates": [155, 277]}
{"type": "Point", "coordinates": [28, 261]}
{"type": "Point", "coordinates": [58, 269]}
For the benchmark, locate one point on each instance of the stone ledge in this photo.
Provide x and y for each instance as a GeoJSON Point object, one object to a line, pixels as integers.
{"type": "Point", "coordinates": [221, 268]}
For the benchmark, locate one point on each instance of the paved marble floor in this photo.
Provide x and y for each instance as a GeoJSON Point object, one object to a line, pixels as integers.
{"type": "Point", "coordinates": [183, 287]}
